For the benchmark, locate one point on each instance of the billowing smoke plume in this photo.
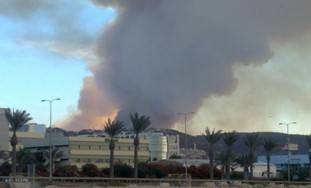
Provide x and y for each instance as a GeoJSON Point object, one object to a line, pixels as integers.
{"type": "Point", "coordinates": [160, 57]}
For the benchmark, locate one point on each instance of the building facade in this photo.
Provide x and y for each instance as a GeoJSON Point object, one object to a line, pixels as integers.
{"type": "Point", "coordinates": [4, 131]}
{"type": "Point", "coordinates": [281, 161]}
{"type": "Point", "coordinates": [95, 150]}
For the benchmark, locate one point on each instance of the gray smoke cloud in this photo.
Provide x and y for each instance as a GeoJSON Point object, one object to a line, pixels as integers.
{"type": "Point", "coordinates": [161, 57]}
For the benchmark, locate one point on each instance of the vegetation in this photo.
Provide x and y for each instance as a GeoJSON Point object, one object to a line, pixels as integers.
{"type": "Point", "coordinates": [229, 139]}
{"type": "Point", "coordinates": [112, 129]}
{"type": "Point", "coordinates": [269, 145]}
{"type": "Point", "coordinates": [23, 158]}
{"type": "Point", "coordinates": [90, 170]}
{"type": "Point", "coordinates": [139, 123]}
{"type": "Point", "coordinates": [212, 138]}
{"type": "Point", "coordinates": [16, 119]}
{"type": "Point", "coordinates": [57, 156]}
{"type": "Point", "coordinates": [252, 143]}
{"type": "Point", "coordinates": [245, 161]}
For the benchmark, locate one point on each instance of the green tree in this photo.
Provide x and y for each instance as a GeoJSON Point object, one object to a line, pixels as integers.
{"type": "Point", "coordinates": [252, 143]}
{"type": "Point", "coordinates": [57, 156]}
{"type": "Point", "coordinates": [229, 139]}
{"type": "Point", "coordinates": [16, 119]}
{"type": "Point", "coordinates": [24, 157]}
{"type": "Point", "coordinates": [212, 138]}
{"type": "Point", "coordinates": [269, 145]}
{"type": "Point", "coordinates": [245, 161]}
{"type": "Point", "coordinates": [308, 139]}
{"type": "Point", "coordinates": [139, 123]}
{"type": "Point", "coordinates": [112, 129]}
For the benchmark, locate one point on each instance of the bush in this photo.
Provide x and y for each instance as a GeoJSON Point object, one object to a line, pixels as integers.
{"type": "Point", "coordinates": [90, 170]}
{"type": "Point", "coordinates": [5, 169]}
{"type": "Point", "coordinates": [41, 170]}
{"type": "Point", "coordinates": [123, 170]}
{"type": "Point", "coordinates": [67, 171]}
{"type": "Point", "coordinates": [202, 172]}
{"type": "Point", "coordinates": [237, 175]}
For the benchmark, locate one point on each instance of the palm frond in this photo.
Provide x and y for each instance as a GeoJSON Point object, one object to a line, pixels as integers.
{"type": "Point", "coordinates": [17, 118]}
{"type": "Point", "coordinates": [230, 138]}
{"type": "Point", "coordinates": [140, 123]}
{"type": "Point", "coordinates": [212, 136]}
{"type": "Point", "coordinates": [270, 145]}
{"type": "Point", "coordinates": [113, 128]}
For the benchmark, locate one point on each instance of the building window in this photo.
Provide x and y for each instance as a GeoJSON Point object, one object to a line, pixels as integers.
{"type": "Point", "coordinates": [90, 147]}
{"type": "Point", "coordinates": [78, 146]}
{"type": "Point", "coordinates": [129, 147]}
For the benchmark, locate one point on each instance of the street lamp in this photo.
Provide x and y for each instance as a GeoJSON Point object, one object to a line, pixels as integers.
{"type": "Point", "coordinates": [185, 114]}
{"type": "Point", "coordinates": [288, 149]}
{"type": "Point", "coordinates": [50, 101]}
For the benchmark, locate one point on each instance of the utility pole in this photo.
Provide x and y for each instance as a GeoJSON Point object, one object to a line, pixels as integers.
{"type": "Point", "coordinates": [50, 101]}
{"type": "Point", "coordinates": [185, 114]}
{"type": "Point", "coordinates": [288, 149]}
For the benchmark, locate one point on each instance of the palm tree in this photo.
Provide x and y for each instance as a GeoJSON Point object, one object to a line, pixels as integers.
{"type": "Point", "coordinates": [308, 138]}
{"type": "Point", "coordinates": [229, 139]}
{"type": "Point", "coordinates": [139, 123]}
{"type": "Point", "coordinates": [112, 128]}
{"type": "Point", "coordinates": [24, 157]}
{"type": "Point", "coordinates": [16, 119]}
{"type": "Point", "coordinates": [252, 143]}
{"type": "Point", "coordinates": [212, 138]}
{"type": "Point", "coordinates": [57, 156]}
{"type": "Point", "coordinates": [269, 145]}
{"type": "Point", "coordinates": [245, 161]}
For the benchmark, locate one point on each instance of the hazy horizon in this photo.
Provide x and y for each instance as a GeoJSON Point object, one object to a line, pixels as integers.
{"type": "Point", "coordinates": [239, 65]}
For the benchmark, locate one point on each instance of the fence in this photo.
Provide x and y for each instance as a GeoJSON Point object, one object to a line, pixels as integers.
{"type": "Point", "coordinates": [101, 181]}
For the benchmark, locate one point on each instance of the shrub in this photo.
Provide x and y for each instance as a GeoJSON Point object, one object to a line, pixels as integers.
{"type": "Point", "coordinates": [123, 170]}
{"type": "Point", "coordinates": [67, 171]}
{"type": "Point", "coordinates": [5, 169]}
{"type": "Point", "coordinates": [90, 170]}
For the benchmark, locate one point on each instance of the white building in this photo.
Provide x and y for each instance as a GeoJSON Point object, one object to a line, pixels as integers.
{"type": "Point", "coordinates": [33, 127]}
{"type": "Point", "coordinates": [281, 161]}
{"type": "Point", "coordinates": [4, 131]}
{"type": "Point", "coordinates": [260, 170]}
{"type": "Point", "coordinates": [172, 145]}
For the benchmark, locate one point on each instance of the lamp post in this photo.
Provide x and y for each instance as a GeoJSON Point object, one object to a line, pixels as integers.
{"type": "Point", "coordinates": [50, 101]}
{"type": "Point", "coordinates": [288, 149]}
{"type": "Point", "coordinates": [185, 114]}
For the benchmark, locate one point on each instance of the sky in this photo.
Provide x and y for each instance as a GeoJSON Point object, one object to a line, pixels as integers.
{"type": "Point", "coordinates": [243, 65]}
{"type": "Point", "coordinates": [32, 70]}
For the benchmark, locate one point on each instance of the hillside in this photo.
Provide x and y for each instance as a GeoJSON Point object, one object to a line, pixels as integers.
{"type": "Point", "coordinates": [201, 142]}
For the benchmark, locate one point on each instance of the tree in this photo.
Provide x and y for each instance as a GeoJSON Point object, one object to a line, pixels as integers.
{"type": "Point", "coordinates": [139, 123]}
{"type": "Point", "coordinates": [269, 145]}
{"type": "Point", "coordinates": [252, 143]}
{"type": "Point", "coordinates": [229, 139]}
{"type": "Point", "coordinates": [212, 138]}
{"type": "Point", "coordinates": [24, 157]}
{"type": "Point", "coordinates": [308, 138]}
{"type": "Point", "coordinates": [16, 119]}
{"type": "Point", "coordinates": [112, 128]}
{"type": "Point", "coordinates": [245, 161]}
{"type": "Point", "coordinates": [57, 156]}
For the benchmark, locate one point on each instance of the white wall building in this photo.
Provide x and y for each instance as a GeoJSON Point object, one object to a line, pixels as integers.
{"type": "Point", "coordinates": [281, 161]}
{"type": "Point", "coordinates": [172, 145]}
{"type": "Point", "coordinates": [4, 131]}
{"type": "Point", "coordinates": [260, 170]}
